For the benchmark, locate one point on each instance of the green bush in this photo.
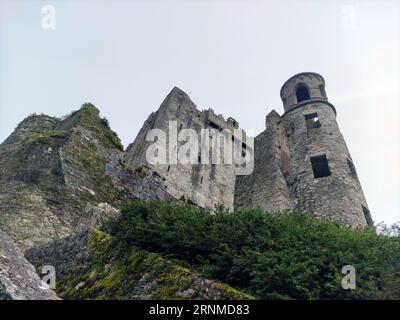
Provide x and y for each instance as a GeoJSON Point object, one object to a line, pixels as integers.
{"type": "Point", "coordinates": [272, 256]}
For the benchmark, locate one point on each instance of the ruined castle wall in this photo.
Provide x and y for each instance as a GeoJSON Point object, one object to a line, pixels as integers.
{"type": "Point", "coordinates": [283, 176]}
{"type": "Point", "coordinates": [336, 196]}
{"type": "Point", "coordinates": [206, 185]}
{"type": "Point", "coordinates": [266, 187]}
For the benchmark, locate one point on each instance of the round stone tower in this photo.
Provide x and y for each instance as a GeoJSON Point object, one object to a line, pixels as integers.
{"type": "Point", "coordinates": [322, 176]}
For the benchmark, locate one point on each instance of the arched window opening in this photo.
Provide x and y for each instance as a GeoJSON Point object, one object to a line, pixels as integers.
{"type": "Point", "coordinates": [302, 94]}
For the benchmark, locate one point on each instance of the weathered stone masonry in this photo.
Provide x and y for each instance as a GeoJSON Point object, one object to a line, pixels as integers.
{"type": "Point", "coordinates": [301, 160]}
{"type": "Point", "coordinates": [206, 185]}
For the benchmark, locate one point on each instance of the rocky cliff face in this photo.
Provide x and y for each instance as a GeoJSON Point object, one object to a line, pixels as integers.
{"type": "Point", "coordinates": [88, 267]}
{"type": "Point", "coordinates": [18, 278]}
{"type": "Point", "coordinates": [59, 176]}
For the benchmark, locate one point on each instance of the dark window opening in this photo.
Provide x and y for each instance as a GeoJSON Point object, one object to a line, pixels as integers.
{"type": "Point", "coordinates": [320, 166]}
{"type": "Point", "coordinates": [367, 216]}
{"type": "Point", "coordinates": [302, 94]}
{"type": "Point", "coordinates": [312, 121]}
{"type": "Point", "coordinates": [180, 127]}
{"type": "Point", "coordinates": [169, 167]}
{"type": "Point", "coordinates": [244, 149]}
{"type": "Point", "coordinates": [214, 125]}
{"type": "Point", "coordinates": [352, 168]}
{"type": "Point", "coordinates": [201, 180]}
{"type": "Point", "coordinates": [199, 158]}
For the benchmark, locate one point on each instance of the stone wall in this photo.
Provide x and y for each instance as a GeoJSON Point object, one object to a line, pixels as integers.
{"type": "Point", "coordinates": [283, 177]}
{"type": "Point", "coordinates": [336, 196]}
{"type": "Point", "coordinates": [206, 185]}
{"type": "Point", "coordinates": [266, 187]}
{"type": "Point", "coordinates": [312, 81]}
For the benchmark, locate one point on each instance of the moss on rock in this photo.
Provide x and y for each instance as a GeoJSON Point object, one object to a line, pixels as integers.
{"type": "Point", "coordinates": [90, 118]}
{"type": "Point", "coordinates": [97, 239]}
{"type": "Point", "coordinates": [133, 273]}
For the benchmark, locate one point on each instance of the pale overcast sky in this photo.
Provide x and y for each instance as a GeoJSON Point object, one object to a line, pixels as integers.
{"type": "Point", "coordinates": [233, 56]}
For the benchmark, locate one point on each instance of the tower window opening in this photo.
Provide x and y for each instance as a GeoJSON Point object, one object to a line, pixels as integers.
{"type": "Point", "coordinates": [312, 121]}
{"type": "Point", "coordinates": [180, 127]}
{"type": "Point", "coordinates": [201, 180]}
{"type": "Point", "coordinates": [320, 166]}
{"type": "Point", "coordinates": [367, 216]}
{"type": "Point", "coordinates": [302, 94]}
{"type": "Point", "coordinates": [169, 167]}
{"type": "Point", "coordinates": [352, 168]}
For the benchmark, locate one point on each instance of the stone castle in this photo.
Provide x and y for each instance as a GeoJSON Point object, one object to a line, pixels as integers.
{"type": "Point", "coordinates": [62, 176]}
{"type": "Point", "coordinates": [301, 161]}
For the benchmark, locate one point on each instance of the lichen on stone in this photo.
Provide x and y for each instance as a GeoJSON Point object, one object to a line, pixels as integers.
{"type": "Point", "coordinates": [108, 272]}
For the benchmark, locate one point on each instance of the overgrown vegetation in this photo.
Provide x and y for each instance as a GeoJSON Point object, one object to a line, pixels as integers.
{"type": "Point", "coordinates": [90, 119]}
{"type": "Point", "coordinates": [133, 273]}
{"type": "Point", "coordinates": [272, 256]}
